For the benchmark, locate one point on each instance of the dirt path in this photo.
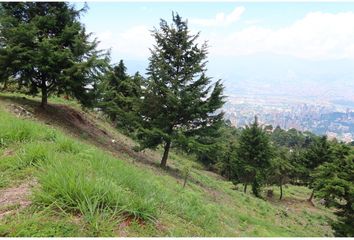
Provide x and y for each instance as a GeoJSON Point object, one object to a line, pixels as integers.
{"type": "Point", "coordinates": [15, 198]}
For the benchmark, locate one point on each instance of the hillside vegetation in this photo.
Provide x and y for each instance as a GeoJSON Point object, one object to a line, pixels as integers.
{"type": "Point", "coordinates": [100, 152]}
{"type": "Point", "coordinates": [57, 184]}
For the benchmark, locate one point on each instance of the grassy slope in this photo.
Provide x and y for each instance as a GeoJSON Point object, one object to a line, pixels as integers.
{"type": "Point", "coordinates": [85, 191]}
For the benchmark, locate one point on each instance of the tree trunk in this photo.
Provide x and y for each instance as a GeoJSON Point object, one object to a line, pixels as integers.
{"type": "Point", "coordinates": [245, 188]}
{"type": "Point", "coordinates": [44, 101]}
{"type": "Point", "coordinates": [281, 191]}
{"type": "Point", "coordinates": [165, 154]}
{"type": "Point", "coordinates": [5, 85]}
{"type": "Point", "coordinates": [311, 197]}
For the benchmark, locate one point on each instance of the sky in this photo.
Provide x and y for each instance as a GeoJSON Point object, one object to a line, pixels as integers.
{"type": "Point", "coordinates": [301, 48]}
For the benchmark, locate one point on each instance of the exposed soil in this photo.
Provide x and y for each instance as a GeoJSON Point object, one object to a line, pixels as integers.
{"type": "Point", "coordinates": [122, 227]}
{"type": "Point", "coordinates": [8, 152]}
{"type": "Point", "coordinates": [15, 196]}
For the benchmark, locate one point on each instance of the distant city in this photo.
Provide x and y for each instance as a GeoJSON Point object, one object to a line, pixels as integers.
{"type": "Point", "coordinates": [332, 118]}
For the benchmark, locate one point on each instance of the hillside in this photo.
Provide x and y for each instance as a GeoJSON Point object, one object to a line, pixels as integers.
{"type": "Point", "coordinates": [68, 172]}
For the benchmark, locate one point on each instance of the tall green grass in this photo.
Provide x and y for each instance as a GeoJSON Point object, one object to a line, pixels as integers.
{"type": "Point", "coordinates": [13, 130]}
{"type": "Point", "coordinates": [78, 181]}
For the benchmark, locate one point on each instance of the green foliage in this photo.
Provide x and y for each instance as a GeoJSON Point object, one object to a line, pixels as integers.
{"type": "Point", "coordinates": [334, 182]}
{"type": "Point", "coordinates": [19, 131]}
{"type": "Point", "coordinates": [254, 153]}
{"type": "Point", "coordinates": [39, 224]}
{"type": "Point", "coordinates": [32, 154]}
{"type": "Point", "coordinates": [67, 145]}
{"type": "Point", "coordinates": [46, 48]}
{"type": "Point", "coordinates": [224, 155]}
{"type": "Point", "coordinates": [291, 138]}
{"type": "Point", "coordinates": [120, 97]}
{"type": "Point", "coordinates": [179, 101]}
{"type": "Point", "coordinates": [83, 191]}
{"type": "Point", "coordinates": [73, 186]}
{"type": "Point", "coordinates": [319, 152]}
{"type": "Point", "coordinates": [281, 169]}
{"type": "Point", "coordinates": [219, 148]}
{"type": "Point", "coordinates": [186, 171]}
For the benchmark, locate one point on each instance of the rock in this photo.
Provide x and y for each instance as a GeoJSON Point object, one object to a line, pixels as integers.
{"type": "Point", "coordinates": [20, 111]}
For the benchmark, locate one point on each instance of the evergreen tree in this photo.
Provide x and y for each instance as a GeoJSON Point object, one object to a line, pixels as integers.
{"type": "Point", "coordinates": [212, 147]}
{"type": "Point", "coordinates": [281, 169]}
{"type": "Point", "coordinates": [121, 95]}
{"type": "Point", "coordinates": [291, 138]}
{"type": "Point", "coordinates": [45, 47]}
{"type": "Point", "coordinates": [318, 153]}
{"type": "Point", "coordinates": [299, 173]}
{"type": "Point", "coordinates": [179, 101]}
{"type": "Point", "coordinates": [225, 153]}
{"type": "Point", "coordinates": [334, 182]}
{"type": "Point", "coordinates": [254, 153]}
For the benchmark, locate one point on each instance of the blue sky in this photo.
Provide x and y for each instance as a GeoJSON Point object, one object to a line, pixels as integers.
{"type": "Point", "coordinates": [250, 43]}
{"type": "Point", "coordinates": [114, 14]}
{"type": "Point", "coordinates": [111, 21]}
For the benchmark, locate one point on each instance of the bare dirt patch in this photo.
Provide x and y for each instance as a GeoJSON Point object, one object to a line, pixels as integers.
{"type": "Point", "coordinates": [15, 196]}
{"type": "Point", "coordinates": [129, 220]}
{"type": "Point", "coordinates": [8, 152]}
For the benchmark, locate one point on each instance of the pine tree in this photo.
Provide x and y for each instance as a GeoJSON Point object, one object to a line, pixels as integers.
{"type": "Point", "coordinates": [318, 153]}
{"type": "Point", "coordinates": [281, 169]}
{"type": "Point", "coordinates": [121, 95]}
{"type": "Point", "coordinates": [53, 51]}
{"type": "Point", "coordinates": [334, 182]}
{"type": "Point", "coordinates": [299, 173]}
{"type": "Point", "coordinates": [179, 101]}
{"type": "Point", "coordinates": [254, 153]}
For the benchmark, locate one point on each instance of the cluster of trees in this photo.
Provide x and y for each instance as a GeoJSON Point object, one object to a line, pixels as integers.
{"type": "Point", "coordinates": [45, 49]}
{"type": "Point", "coordinates": [258, 156]}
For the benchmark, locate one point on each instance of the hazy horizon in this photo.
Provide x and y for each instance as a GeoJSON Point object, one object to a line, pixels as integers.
{"type": "Point", "coordinates": [300, 50]}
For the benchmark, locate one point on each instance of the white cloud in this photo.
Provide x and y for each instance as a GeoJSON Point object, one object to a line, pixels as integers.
{"type": "Point", "coordinates": [133, 43]}
{"type": "Point", "coordinates": [105, 36]}
{"type": "Point", "coordinates": [253, 21]}
{"type": "Point", "coordinates": [220, 19]}
{"type": "Point", "coordinates": [316, 36]}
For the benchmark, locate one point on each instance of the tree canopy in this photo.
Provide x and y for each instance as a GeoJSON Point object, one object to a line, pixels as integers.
{"type": "Point", "coordinates": [179, 100]}
{"type": "Point", "coordinates": [254, 154]}
{"type": "Point", "coordinates": [46, 48]}
{"type": "Point", "coordinates": [120, 96]}
{"type": "Point", "coordinates": [334, 182]}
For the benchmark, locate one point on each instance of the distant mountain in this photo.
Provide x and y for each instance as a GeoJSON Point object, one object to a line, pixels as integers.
{"type": "Point", "coordinates": [277, 75]}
